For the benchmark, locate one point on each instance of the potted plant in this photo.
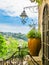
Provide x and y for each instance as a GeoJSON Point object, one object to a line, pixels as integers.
{"type": "Point", "coordinates": [34, 42]}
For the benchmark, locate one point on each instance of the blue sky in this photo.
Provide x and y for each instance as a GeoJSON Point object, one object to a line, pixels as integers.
{"type": "Point", "coordinates": [10, 21]}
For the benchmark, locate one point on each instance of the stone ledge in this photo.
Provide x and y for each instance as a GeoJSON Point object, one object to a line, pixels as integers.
{"type": "Point", "coordinates": [1, 59]}
{"type": "Point", "coordinates": [37, 59]}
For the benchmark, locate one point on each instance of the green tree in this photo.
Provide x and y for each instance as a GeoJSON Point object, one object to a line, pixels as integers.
{"type": "Point", "coordinates": [3, 46]}
{"type": "Point", "coordinates": [12, 46]}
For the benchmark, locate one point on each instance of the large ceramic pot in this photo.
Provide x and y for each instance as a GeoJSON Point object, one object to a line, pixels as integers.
{"type": "Point", "coordinates": [34, 45]}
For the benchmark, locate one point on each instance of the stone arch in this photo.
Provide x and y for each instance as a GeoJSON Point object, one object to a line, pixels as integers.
{"type": "Point", "coordinates": [45, 31]}
{"type": "Point", "coordinates": [45, 7]}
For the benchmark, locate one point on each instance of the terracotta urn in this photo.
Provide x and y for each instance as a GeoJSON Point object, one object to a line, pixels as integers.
{"type": "Point", "coordinates": [34, 45]}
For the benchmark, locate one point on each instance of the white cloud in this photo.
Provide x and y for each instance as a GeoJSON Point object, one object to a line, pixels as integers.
{"type": "Point", "coordinates": [14, 7]}
{"type": "Point", "coordinates": [16, 29]}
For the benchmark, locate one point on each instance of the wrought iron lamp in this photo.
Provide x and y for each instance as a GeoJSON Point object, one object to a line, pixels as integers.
{"type": "Point", "coordinates": [23, 15]}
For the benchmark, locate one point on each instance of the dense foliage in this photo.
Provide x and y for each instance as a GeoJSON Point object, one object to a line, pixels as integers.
{"type": "Point", "coordinates": [10, 45]}
{"type": "Point", "coordinates": [34, 34]}
{"type": "Point", "coordinates": [3, 46]}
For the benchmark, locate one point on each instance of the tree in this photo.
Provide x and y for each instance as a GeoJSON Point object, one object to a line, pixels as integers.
{"type": "Point", "coordinates": [13, 44]}
{"type": "Point", "coordinates": [3, 47]}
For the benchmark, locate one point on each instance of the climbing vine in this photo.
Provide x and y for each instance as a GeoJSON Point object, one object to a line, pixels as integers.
{"type": "Point", "coordinates": [39, 1]}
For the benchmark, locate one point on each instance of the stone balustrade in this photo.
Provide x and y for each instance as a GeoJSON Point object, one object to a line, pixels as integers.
{"type": "Point", "coordinates": [27, 58]}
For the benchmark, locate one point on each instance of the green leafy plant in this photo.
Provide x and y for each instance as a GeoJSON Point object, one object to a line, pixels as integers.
{"type": "Point", "coordinates": [13, 50]}
{"type": "Point", "coordinates": [39, 1]}
{"type": "Point", "coordinates": [3, 46]}
{"type": "Point", "coordinates": [11, 47]}
{"type": "Point", "coordinates": [34, 34]}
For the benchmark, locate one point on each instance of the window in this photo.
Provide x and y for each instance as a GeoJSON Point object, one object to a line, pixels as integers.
{"type": "Point", "coordinates": [46, 35]}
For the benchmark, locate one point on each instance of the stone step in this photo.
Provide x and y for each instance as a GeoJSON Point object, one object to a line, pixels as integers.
{"type": "Point", "coordinates": [37, 59]}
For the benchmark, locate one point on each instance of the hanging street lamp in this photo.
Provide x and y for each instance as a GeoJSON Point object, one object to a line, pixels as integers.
{"type": "Point", "coordinates": [23, 16]}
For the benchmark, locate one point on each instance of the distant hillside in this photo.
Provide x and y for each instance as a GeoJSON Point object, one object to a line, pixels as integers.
{"type": "Point", "coordinates": [14, 35]}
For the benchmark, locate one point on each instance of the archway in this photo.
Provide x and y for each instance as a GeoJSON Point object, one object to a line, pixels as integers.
{"type": "Point", "coordinates": [45, 36]}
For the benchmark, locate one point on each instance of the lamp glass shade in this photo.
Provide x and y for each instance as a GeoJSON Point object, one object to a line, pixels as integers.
{"type": "Point", "coordinates": [23, 14]}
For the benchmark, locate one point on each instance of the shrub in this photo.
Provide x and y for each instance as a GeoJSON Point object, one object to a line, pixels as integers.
{"type": "Point", "coordinates": [34, 34]}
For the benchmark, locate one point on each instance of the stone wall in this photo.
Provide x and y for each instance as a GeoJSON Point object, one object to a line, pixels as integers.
{"type": "Point", "coordinates": [40, 13]}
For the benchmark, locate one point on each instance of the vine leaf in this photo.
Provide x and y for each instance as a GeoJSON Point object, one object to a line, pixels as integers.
{"type": "Point", "coordinates": [39, 1]}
